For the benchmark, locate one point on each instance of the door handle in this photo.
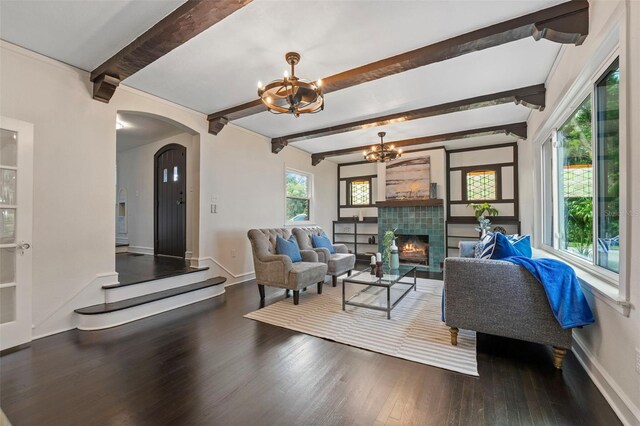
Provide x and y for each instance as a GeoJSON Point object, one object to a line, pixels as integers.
{"type": "Point", "coordinates": [178, 202]}
{"type": "Point", "coordinates": [22, 246]}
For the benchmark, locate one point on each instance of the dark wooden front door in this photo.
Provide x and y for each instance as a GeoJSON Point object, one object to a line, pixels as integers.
{"type": "Point", "coordinates": [170, 200]}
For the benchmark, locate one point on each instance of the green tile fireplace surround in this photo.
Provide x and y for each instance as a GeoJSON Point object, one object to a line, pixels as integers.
{"type": "Point", "coordinates": [415, 218]}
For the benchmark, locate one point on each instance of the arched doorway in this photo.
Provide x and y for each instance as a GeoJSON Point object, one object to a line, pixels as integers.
{"type": "Point", "coordinates": [170, 201]}
{"type": "Point", "coordinates": [146, 142]}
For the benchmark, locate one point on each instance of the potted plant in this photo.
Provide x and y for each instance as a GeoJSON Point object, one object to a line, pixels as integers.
{"type": "Point", "coordinates": [480, 211]}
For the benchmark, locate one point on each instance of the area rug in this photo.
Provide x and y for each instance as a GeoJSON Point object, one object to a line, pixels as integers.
{"type": "Point", "coordinates": [414, 332]}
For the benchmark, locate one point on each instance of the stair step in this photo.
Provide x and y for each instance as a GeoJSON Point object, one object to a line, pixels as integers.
{"type": "Point", "coordinates": [105, 308]}
{"type": "Point", "coordinates": [158, 276]}
{"type": "Point", "coordinates": [122, 244]}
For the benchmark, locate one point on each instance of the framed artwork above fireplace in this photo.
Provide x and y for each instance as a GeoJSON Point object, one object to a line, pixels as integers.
{"type": "Point", "coordinates": [408, 178]}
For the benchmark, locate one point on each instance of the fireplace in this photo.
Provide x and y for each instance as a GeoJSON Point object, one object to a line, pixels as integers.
{"type": "Point", "coordinates": [413, 249]}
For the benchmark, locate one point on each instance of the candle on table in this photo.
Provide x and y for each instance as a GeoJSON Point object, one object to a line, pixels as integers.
{"type": "Point", "coordinates": [379, 257]}
{"type": "Point", "coordinates": [373, 260]}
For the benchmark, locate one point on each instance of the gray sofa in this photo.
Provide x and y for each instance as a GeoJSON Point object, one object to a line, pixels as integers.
{"type": "Point", "coordinates": [278, 270]}
{"type": "Point", "coordinates": [338, 263]}
{"type": "Point", "coordinates": [503, 299]}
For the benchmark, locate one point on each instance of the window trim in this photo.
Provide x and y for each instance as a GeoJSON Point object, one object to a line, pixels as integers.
{"type": "Point", "coordinates": [349, 199]}
{"type": "Point", "coordinates": [310, 197]}
{"type": "Point", "coordinates": [483, 168]}
{"type": "Point", "coordinates": [584, 85]}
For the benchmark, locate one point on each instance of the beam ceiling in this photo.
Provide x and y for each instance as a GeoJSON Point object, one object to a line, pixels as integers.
{"type": "Point", "coordinates": [180, 26]}
{"type": "Point", "coordinates": [531, 96]}
{"type": "Point", "coordinates": [564, 23]}
{"type": "Point", "coordinates": [516, 129]}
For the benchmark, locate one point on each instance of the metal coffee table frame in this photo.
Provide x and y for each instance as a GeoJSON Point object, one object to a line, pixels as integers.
{"type": "Point", "coordinates": [379, 282]}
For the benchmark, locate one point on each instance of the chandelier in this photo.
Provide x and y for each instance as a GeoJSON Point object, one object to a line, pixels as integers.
{"type": "Point", "coordinates": [382, 153]}
{"type": "Point", "coordinates": [292, 95]}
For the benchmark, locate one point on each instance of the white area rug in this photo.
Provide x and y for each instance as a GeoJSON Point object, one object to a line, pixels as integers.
{"type": "Point", "coordinates": [414, 332]}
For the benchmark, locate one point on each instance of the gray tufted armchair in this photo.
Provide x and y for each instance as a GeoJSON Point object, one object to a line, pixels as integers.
{"type": "Point", "coordinates": [338, 263]}
{"type": "Point", "coordinates": [277, 270]}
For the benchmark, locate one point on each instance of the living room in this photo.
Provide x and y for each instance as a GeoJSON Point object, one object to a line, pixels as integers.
{"type": "Point", "coordinates": [466, 93]}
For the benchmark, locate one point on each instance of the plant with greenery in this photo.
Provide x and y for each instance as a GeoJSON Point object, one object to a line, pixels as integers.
{"type": "Point", "coordinates": [297, 195]}
{"type": "Point", "coordinates": [580, 225]}
{"type": "Point", "coordinates": [387, 239]}
{"type": "Point", "coordinates": [484, 209]}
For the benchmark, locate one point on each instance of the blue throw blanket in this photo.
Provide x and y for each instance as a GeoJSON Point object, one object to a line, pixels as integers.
{"type": "Point", "coordinates": [563, 290]}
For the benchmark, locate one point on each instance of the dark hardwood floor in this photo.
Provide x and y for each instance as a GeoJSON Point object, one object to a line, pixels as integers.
{"type": "Point", "coordinates": [135, 268]}
{"type": "Point", "coordinates": [205, 364]}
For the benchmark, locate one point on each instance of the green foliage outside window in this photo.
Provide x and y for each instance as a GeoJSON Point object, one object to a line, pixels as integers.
{"type": "Point", "coordinates": [298, 197]}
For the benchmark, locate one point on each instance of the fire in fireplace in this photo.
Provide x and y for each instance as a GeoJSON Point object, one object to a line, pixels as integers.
{"type": "Point", "coordinates": [413, 249]}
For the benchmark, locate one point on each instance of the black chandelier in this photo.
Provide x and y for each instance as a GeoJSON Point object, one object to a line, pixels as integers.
{"type": "Point", "coordinates": [382, 153]}
{"type": "Point", "coordinates": [292, 95]}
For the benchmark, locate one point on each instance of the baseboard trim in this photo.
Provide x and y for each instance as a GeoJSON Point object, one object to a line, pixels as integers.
{"type": "Point", "coordinates": [620, 402]}
{"type": "Point", "coordinates": [141, 250]}
{"type": "Point", "coordinates": [196, 262]}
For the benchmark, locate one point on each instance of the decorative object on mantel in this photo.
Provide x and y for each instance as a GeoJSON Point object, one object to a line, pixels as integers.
{"type": "Point", "coordinates": [409, 179]}
{"type": "Point", "coordinates": [373, 265]}
{"type": "Point", "coordinates": [479, 211]}
{"type": "Point", "coordinates": [382, 153]}
{"type": "Point", "coordinates": [292, 95]}
{"type": "Point", "coordinates": [433, 191]}
{"type": "Point", "coordinates": [360, 215]}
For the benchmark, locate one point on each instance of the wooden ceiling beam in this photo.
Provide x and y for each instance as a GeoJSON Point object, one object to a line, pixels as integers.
{"type": "Point", "coordinates": [516, 129]}
{"type": "Point", "coordinates": [564, 23]}
{"type": "Point", "coordinates": [175, 29]}
{"type": "Point", "coordinates": [530, 96]}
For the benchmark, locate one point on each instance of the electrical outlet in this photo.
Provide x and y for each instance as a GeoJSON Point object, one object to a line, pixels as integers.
{"type": "Point", "coordinates": [638, 360]}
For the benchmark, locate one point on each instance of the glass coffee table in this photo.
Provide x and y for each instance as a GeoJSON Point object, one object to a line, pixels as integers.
{"type": "Point", "coordinates": [373, 295]}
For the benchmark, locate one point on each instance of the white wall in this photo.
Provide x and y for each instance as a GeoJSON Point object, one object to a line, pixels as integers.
{"type": "Point", "coordinates": [74, 190]}
{"type": "Point", "coordinates": [136, 175]}
{"type": "Point", "coordinates": [609, 347]}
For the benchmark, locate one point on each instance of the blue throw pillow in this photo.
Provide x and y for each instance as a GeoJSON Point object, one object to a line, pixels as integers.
{"type": "Point", "coordinates": [322, 241]}
{"type": "Point", "coordinates": [289, 248]}
{"type": "Point", "coordinates": [523, 246]}
{"type": "Point", "coordinates": [497, 246]}
{"type": "Point", "coordinates": [486, 246]}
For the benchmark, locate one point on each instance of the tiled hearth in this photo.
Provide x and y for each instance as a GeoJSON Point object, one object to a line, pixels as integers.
{"type": "Point", "coordinates": [422, 220]}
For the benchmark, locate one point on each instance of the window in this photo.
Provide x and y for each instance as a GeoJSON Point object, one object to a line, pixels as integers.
{"type": "Point", "coordinates": [575, 182]}
{"type": "Point", "coordinates": [360, 192]}
{"type": "Point", "coordinates": [481, 185]}
{"type": "Point", "coordinates": [298, 196]}
{"type": "Point", "coordinates": [582, 215]}
{"type": "Point", "coordinates": [608, 169]}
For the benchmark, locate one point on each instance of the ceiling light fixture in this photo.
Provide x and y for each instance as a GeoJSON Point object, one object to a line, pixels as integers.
{"type": "Point", "coordinates": [292, 95]}
{"type": "Point", "coordinates": [382, 153]}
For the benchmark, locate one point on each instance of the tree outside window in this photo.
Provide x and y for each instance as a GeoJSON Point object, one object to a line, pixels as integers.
{"type": "Point", "coordinates": [298, 196]}
{"type": "Point", "coordinates": [588, 194]}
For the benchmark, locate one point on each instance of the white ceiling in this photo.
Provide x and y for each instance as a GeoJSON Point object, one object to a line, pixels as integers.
{"type": "Point", "coordinates": [79, 32]}
{"type": "Point", "coordinates": [140, 129]}
{"type": "Point", "coordinates": [219, 68]}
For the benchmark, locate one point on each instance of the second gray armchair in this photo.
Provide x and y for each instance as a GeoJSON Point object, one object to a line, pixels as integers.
{"type": "Point", "coordinates": [337, 263]}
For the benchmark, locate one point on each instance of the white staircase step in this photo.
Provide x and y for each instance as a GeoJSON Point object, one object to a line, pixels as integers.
{"type": "Point", "coordinates": [106, 315]}
{"type": "Point", "coordinates": [117, 292]}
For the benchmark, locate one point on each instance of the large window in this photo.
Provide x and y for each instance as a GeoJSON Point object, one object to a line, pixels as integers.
{"type": "Point", "coordinates": [582, 215]}
{"type": "Point", "coordinates": [298, 196]}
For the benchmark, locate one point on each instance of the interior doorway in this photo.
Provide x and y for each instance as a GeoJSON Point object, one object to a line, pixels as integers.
{"type": "Point", "coordinates": [170, 194]}
{"type": "Point", "coordinates": [157, 189]}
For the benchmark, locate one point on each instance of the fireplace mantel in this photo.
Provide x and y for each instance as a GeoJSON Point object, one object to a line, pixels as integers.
{"type": "Point", "coordinates": [410, 203]}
